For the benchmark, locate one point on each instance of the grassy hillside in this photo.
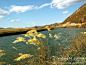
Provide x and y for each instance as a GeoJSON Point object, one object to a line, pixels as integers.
{"type": "Point", "coordinates": [79, 16]}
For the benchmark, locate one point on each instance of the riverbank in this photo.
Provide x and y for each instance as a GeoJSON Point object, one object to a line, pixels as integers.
{"type": "Point", "coordinates": [66, 34]}
{"type": "Point", "coordinates": [15, 31]}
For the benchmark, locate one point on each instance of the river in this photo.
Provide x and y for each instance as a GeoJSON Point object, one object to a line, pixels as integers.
{"type": "Point", "coordinates": [68, 33]}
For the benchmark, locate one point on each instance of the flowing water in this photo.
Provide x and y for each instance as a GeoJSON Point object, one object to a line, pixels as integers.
{"type": "Point", "coordinates": [68, 33]}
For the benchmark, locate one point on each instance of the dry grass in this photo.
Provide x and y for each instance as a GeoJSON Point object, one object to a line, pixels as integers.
{"type": "Point", "coordinates": [41, 53]}
{"type": "Point", "coordinates": [15, 30]}
{"type": "Point", "coordinates": [76, 51]}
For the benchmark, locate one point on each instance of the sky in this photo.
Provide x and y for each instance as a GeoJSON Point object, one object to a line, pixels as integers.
{"type": "Point", "coordinates": [28, 13]}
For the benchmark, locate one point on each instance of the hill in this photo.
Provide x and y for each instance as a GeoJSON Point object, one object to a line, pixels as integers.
{"type": "Point", "coordinates": [77, 19]}
{"type": "Point", "coordinates": [79, 16]}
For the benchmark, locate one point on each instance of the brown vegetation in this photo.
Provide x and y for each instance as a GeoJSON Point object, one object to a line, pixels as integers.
{"type": "Point", "coordinates": [78, 17]}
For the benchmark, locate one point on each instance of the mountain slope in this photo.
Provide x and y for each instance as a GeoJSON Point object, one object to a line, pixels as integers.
{"type": "Point", "coordinates": [79, 16]}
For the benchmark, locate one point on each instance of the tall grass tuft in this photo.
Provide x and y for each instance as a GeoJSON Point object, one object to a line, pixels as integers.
{"type": "Point", "coordinates": [41, 53]}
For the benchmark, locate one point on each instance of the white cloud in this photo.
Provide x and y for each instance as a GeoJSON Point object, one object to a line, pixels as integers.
{"type": "Point", "coordinates": [59, 22]}
{"type": "Point", "coordinates": [21, 9]}
{"type": "Point", "coordinates": [17, 19]}
{"type": "Point", "coordinates": [3, 12]}
{"type": "Point", "coordinates": [1, 16]}
{"type": "Point", "coordinates": [46, 4]}
{"type": "Point", "coordinates": [44, 24]}
{"type": "Point", "coordinates": [65, 12]}
{"type": "Point", "coordinates": [12, 20]}
{"type": "Point", "coordinates": [7, 18]}
{"type": "Point", "coordinates": [18, 9]}
{"type": "Point", "coordinates": [61, 4]}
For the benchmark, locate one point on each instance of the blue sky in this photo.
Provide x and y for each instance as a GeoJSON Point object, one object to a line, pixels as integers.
{"type": "Point", "coordinates": [27, 13]}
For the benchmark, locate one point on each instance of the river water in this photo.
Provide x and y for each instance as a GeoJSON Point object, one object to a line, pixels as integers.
{"type": "Point", "coordinates": [68, 33]}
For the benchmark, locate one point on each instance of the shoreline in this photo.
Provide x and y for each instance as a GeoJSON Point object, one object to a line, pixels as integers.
{"type": "Point", "coordinates": [21, 32]}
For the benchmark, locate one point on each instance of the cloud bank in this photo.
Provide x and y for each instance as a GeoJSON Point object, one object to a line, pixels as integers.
{"type": "Point", "coordinates": [3, 12]}
{"type": "Point", "coordinates": [60, 4]}
{"type": "Point", "coordinates": [18, 9]}
{"type": "Point", "coordinates": [1, 16]}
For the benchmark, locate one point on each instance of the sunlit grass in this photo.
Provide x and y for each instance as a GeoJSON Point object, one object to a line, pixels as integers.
{"type": "Point", "coordinates": [41, 53]}
{"type": "Point", "coordinates": [16, 30]}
